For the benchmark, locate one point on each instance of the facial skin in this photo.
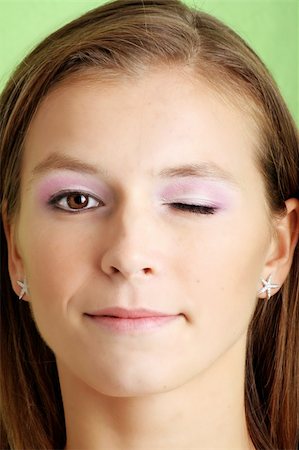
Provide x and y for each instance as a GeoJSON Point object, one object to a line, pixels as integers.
{"type": "Point", "coordinates": [132, 249]}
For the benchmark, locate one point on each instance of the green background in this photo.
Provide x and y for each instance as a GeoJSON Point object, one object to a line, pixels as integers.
{"type": "Point", "coordinates": [269, 26]}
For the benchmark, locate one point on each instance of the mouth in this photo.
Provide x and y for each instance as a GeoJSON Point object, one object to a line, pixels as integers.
{"type": "Point", "coordinates": [122, 320]}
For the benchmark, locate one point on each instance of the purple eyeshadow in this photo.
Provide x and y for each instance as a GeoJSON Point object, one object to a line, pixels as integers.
{"type": "Point", "coordinates": [214, 192]}
{"type": "Point", "coordinates": [192, 190]}
{"type": "Point", "coordinates": [54, 183]}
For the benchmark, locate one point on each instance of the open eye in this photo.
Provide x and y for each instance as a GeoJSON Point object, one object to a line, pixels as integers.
{"type": "Point", "coordinates": [72, 201]}
{"type": "Point", "coordinates": [196, 209]}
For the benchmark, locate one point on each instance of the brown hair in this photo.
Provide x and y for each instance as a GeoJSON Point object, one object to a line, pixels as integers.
{"type": "Point", "coordinates": [126, 37]}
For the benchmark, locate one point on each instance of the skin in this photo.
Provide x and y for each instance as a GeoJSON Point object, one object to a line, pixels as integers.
{"type": "Point", "coordinates": [180, 385]}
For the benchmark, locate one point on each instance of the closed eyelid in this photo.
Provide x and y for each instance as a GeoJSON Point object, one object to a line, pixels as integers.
{"type": "Point", "coordinates": [199, 192]}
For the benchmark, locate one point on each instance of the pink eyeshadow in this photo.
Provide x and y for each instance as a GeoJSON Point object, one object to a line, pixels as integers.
{"type": "Point", "coordinates": [54, 183]}
{"type": "Point", "coordinates": [217, 192]}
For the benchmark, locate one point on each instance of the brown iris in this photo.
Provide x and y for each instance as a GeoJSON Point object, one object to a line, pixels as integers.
{"type": "Point", "coordinates": [77, 201]}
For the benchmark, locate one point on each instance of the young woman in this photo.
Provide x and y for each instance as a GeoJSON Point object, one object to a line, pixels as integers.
{"type": "Point", "coordinates": [150, 221]}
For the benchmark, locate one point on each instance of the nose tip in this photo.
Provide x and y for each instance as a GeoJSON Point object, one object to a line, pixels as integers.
{"type": "Point", "coordinates": [129, 263]}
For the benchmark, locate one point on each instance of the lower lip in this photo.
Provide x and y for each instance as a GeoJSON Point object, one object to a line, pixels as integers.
{"type": "Point", "coordinates": [129, 325]}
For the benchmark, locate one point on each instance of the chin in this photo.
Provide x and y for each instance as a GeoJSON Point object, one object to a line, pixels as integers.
{"type": "Point", "coordinates": [139, 389]}
{"type": "Point", "coordinates": [135, 382]}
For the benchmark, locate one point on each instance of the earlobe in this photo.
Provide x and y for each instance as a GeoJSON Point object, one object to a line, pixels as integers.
{"type": "Point", "coordinates": [283, 245]}
{"type": "Point", "coordinates": [15, 262]}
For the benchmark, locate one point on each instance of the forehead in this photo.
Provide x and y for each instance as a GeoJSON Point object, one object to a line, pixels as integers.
{"type": "Point", "coordinates": [148, 120]}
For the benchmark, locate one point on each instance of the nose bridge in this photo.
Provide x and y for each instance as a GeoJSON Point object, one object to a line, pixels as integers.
{"type": "Point", "coordinates": [134, 215]}
{"type": "Point", "coordinates": [131, 245]}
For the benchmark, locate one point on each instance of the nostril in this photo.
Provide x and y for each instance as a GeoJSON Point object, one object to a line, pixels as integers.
{"type": "Point", "coordinates": [145, 271]}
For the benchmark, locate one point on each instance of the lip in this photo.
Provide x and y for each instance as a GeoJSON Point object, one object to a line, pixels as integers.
{"type": "Point", "coordinates": [125, 313]}
{"type": "Point", "coordinates": [122, 320]}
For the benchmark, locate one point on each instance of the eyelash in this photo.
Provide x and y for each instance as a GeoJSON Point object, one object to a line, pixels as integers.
{"type": "Point", "coordinates": [195, 209]}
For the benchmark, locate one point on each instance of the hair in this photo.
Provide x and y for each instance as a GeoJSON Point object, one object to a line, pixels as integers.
{"type": "Point", "coordinates": [127, 38]}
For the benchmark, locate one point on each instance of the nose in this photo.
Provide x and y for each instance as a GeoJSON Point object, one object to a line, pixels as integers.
{"type": "Point", "coordinates": [131, 250]}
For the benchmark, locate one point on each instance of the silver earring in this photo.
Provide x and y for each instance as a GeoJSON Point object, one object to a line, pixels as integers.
{"type": "Point", "coordinates": [268, 286]}
{"type": "Point", "coordinates": [24, 288]}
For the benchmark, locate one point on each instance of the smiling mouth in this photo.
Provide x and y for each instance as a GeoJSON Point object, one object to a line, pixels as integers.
{"type": "Point", "coordinates": [121, 320]}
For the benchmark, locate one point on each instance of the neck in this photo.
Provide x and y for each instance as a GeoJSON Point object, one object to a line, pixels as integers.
{"type": "Point", "coordinates": [205, 413]}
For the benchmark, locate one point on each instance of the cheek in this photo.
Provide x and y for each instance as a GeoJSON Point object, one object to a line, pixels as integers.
{"type": "Point", "coordinates": [58, 264]}
{"type": "Point", "coordinates": [224, 266]}
{"type": "Point", "coordinates": [220, 287]}
{"type": "Point", "coordinates": [56, 261]}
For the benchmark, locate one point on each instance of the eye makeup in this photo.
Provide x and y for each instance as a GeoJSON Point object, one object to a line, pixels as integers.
{"type": "Point", "coordinates": [193, 194]}
{"type": "Point", "coordinates": [194, 191]}
{"type": "Point", "coordinates": [65, 182]}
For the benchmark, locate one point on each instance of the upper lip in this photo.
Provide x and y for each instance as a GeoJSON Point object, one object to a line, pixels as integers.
{"type": "Point", "coordinates": [128, 313]}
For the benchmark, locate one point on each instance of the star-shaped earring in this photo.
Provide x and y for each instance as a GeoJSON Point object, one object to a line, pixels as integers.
{"type": "Point", "coordinates": [24, 288]}
{"type": "Point", "coordinates": [267, 286]}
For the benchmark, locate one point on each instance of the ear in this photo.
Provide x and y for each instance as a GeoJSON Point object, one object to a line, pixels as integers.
{"type": "Point", "coordinates": [281, 251]}
{"type": "Point", "coordinates": [15, 262]}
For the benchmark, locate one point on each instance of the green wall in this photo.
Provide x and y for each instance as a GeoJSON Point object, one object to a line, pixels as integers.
{"type": "Point", "coordinates": [269, 26]}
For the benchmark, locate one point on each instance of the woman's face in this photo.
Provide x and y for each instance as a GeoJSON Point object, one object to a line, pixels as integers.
{"type": "Point", "coordinates": [105, 168]}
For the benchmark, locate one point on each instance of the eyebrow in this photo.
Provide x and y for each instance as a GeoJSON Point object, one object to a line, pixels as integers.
{"type": "Point", "coordinates": [63, 161]}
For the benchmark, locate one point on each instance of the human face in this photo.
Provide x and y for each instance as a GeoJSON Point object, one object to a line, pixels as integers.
{"type": "Point", "coordinates": [124, 243]}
